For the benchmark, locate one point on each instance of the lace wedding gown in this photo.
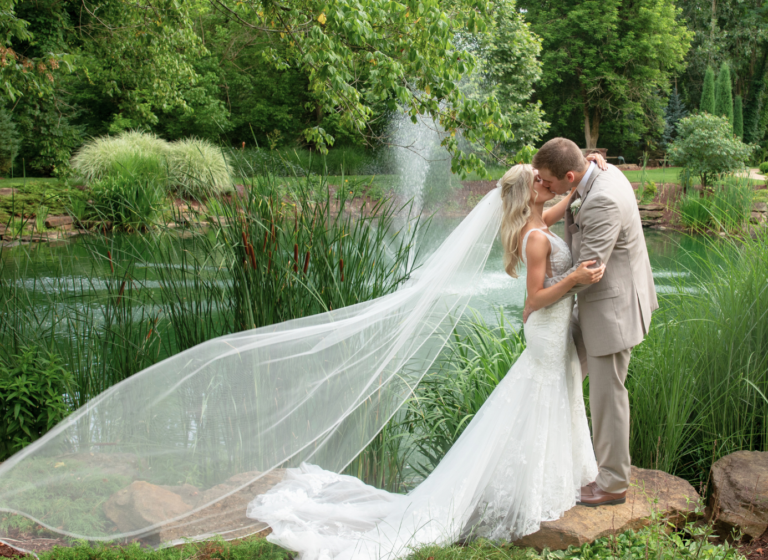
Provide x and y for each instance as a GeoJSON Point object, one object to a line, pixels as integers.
{"type": "Point", "coordinates": [521, 461]}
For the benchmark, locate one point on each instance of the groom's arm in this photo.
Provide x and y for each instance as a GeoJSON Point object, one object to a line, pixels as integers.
{"type": "Point", "coordinates": [600, 228]}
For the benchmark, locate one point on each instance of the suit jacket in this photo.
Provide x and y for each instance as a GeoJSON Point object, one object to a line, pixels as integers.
{"type": "Point", "coordinates": [615, 313]}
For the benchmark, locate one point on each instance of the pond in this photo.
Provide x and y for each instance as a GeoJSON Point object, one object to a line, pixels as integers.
{"type": "Point", "coordinates": [69, 266]}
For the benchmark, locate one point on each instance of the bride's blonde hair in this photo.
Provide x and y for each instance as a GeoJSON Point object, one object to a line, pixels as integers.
{"type": "Point", "coordinates": [516, 207]}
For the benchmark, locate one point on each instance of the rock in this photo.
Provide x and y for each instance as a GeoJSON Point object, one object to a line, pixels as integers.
{"type": "Point", "coordinates": [739, 497]}
{"type": "Point", "coordinates": [759, 207]}
{"type": "Point", "coordinates": [667, 495]}
{"type": "Point", "coordinates": [142, 504]}
{"type": "Point", "coordinates": [8, 192]}
{"type": "Point", "coordinates": [58, 221]}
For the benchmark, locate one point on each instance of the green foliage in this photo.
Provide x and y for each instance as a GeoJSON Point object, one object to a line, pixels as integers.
{"type": "Point", "coordinates": [726, 208]}
{"type": "Point", "coordinates": [446, 400]}
{"type": "Point", "coordinates": [648, 192]}
{"type": "Point", "coordinates": [655, 541]}
{"type": "Point", "coordinates": [699, 381]}
{"type": "Point", "coordinates": [753, 132]}
{"type": "Point", "coordinates": [707, 147]}
{"type": "Point", "coordinates": [198, 169]}
{"type": "Point", "coordinates": [34, 194]}
{"type": "Point", "coordinates": [130, 203]}
{"type": "Point", "coordinates": [358, 55]}
{"type": "Point", "coordinates": [604, 63]}
{"type": "Point", "coordinates": [764, 167]}
{"type": "Point", "coordinates": [707, 104]}
{"type": "Point", "coordinates": [9, 142]}
{"type": "Point", "coordinates": [33, 385]}
{"type": "Point", "coordinates": [723, 93]}
{"type": "Point", "coordinates": [132, 152]}
{"type": "Point", "coordinates": [252, 548]}
{"type": "Point", "coordinates": [508, 68]}
{"type": "Point", "coordinates": [674, 111]}
{"type": "Point", "coordinates": [738, 118]}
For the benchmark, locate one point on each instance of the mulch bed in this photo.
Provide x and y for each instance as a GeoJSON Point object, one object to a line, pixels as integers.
{"type": "Point", "coordinates": [756, 549]}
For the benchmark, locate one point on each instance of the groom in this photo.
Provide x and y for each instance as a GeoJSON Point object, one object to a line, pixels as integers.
{"type": "Point", "coordinates": [602, 223]}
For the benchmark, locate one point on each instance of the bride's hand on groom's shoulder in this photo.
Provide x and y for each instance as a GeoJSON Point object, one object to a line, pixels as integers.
{"type": "Point", "coordinates": [599, 160]}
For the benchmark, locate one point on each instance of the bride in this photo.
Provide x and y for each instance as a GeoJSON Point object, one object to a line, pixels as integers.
{"type": "Point", "coordinates": [523, 458]}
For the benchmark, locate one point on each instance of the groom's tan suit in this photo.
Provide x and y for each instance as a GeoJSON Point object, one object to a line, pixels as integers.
{"type": "Point", "coordinates": [613, 315]}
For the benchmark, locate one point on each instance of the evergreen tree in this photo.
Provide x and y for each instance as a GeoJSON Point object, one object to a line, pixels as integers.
{"type": "Point", "coordinates": [9, 142]}
{"type": "Point", "coordinates": [674, 111]}
{"type": "Point", "coordinates": [755, 103]}
{"type": "Point", "coordinates": [708, 93]}
{"type": "Point", "coordinates": [723, 93]}
{"type": "Point", "coordinates": [738, 118]}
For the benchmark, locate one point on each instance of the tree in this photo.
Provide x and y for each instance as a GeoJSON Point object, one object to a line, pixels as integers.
{"type": "Point", "coordinates": [356, 53]}
{"type": "Point", "coordinates": [674, 111]}
{"type": "Point", "coordinates": [508, 67]}
{"type": "Point", "coordinates": [708, 93]}
{"type": "Point", "coordinates": [607, 61]}
{"type": "Point", "coordinates": [9, 142]}
{"type": "Point", "coordinates": [706, 146]}
{"type": "Point", "coordinates": [723, 94]}
{"type": "Point", "coordinates": [738, 118]}
{"type": "Point", "coordinates": [724, 31]}
{"type": "Point", "coordinates": [754, 108]}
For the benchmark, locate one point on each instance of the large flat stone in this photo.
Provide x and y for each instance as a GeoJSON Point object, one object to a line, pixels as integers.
{"type": "Point", "coordinates": [650, 492]}
{"type": "Point", "coordinates": [143, 504]}
{"type": "Point", "coordinates": [58, 221]}
{"type": "Point", "coordinates": [739, 499]}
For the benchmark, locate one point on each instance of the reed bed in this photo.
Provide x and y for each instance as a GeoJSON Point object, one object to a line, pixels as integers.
{"type": "Point", "coordinates": [120, 303]}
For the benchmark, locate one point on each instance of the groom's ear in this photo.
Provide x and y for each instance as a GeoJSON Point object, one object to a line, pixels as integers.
{"type": "Point", "coordinates": [570, 176]}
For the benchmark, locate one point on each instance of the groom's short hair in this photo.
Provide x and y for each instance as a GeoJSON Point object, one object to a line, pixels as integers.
{"type": "Point", "coordinates": [559, 156]}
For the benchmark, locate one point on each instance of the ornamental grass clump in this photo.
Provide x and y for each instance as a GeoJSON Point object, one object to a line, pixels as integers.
{"type": "Point", "coordinates": [133, 153]}
{"type": "Point", "coordinates": [198, 169]}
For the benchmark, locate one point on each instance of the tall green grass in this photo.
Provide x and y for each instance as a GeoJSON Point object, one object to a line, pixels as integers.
{"type": "Point", "coordinates": [137, 299]}
{"type": "Point", "coordinates": [727, 207]}
{"type": "Point", "coordinates": [699, 382]}
{"type": "Point", "coordinates": [472, 365]}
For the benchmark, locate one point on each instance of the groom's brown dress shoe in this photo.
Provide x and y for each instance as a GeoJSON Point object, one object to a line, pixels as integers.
{"type": "Point", "coordinates": [593, 496]}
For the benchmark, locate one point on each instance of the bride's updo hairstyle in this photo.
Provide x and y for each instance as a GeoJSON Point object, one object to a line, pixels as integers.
{"type": "Point", "coordinates": [515, 197]}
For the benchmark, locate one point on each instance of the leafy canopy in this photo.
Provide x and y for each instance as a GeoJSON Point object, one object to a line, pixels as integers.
{"type": "Point", "coordinates": [607, 61]}
{"type": "Point", "coordinates": [357, 53]}
{"type": "Point", "coordinates": [706, 146]}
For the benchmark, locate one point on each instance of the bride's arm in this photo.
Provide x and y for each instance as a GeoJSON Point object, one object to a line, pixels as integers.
{"type": "Point", "coordinates": [537, 253]}
{"type": "Point", "coordinates": [555, 213]}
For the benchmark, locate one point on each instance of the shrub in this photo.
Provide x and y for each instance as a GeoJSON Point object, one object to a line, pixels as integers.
{"type": "Point", "coordinates": [707, 147]}
{"type": "Point", "coordinates": [199, 169]}
{"type": "Point", "coordinates": [138, 153]}
{"type": "Point", "coordinates": [708, 92]}
{"type": "Point", "coordinates": [649, 192]}
{"type": "Point", "coordinates": [128, 202]}
{"type": "Point", "coordinates": [33, 384]}
{"type": "Point", "coordinates": [764, 167]}
{"type": "Point", "coordinates": [9, 142]}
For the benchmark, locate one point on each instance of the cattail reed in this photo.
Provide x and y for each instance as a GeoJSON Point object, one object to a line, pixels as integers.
{"type": "Point", "coordinates": [341, 268]}
{"type": "Point", "coordinates": [266, 237]}
{"type": "Point", "coordinates": [296, 258]}
{"type": "Point", "coordinates": [120, 293]}
{"type": "Point", "coordinates": [252, 254]}
{"type": "Point", "coordinates": [111, 266]}
{"type": "Point", "coordinates": [269, 261]}
{"type": "Point", "coordinates": [306, 262]}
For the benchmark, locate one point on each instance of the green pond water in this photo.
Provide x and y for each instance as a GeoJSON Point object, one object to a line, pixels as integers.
{"type": "Point", "coordinates": [69, 267]}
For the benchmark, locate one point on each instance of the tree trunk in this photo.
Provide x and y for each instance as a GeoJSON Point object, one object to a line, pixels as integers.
{"type": "Point", "coordinates": [591, 129]}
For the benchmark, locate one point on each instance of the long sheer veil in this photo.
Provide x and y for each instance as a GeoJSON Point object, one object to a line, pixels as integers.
{"type": "Point", "coordinates": [179, 449]}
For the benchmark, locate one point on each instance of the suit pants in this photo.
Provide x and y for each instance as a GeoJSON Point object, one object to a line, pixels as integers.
{"type": "Point", "coordinates": [609, 411]}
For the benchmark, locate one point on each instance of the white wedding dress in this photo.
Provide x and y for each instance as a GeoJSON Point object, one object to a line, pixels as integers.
{"type": "Point", "coordinates": [521, 461]}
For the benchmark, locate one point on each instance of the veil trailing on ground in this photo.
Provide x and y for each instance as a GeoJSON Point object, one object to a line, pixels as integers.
{"type": "Point", "coordinates": [179, 449]}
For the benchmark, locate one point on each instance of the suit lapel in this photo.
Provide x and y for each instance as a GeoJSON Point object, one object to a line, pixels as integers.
{"type": "Point", "coordinates": [591, 181]}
